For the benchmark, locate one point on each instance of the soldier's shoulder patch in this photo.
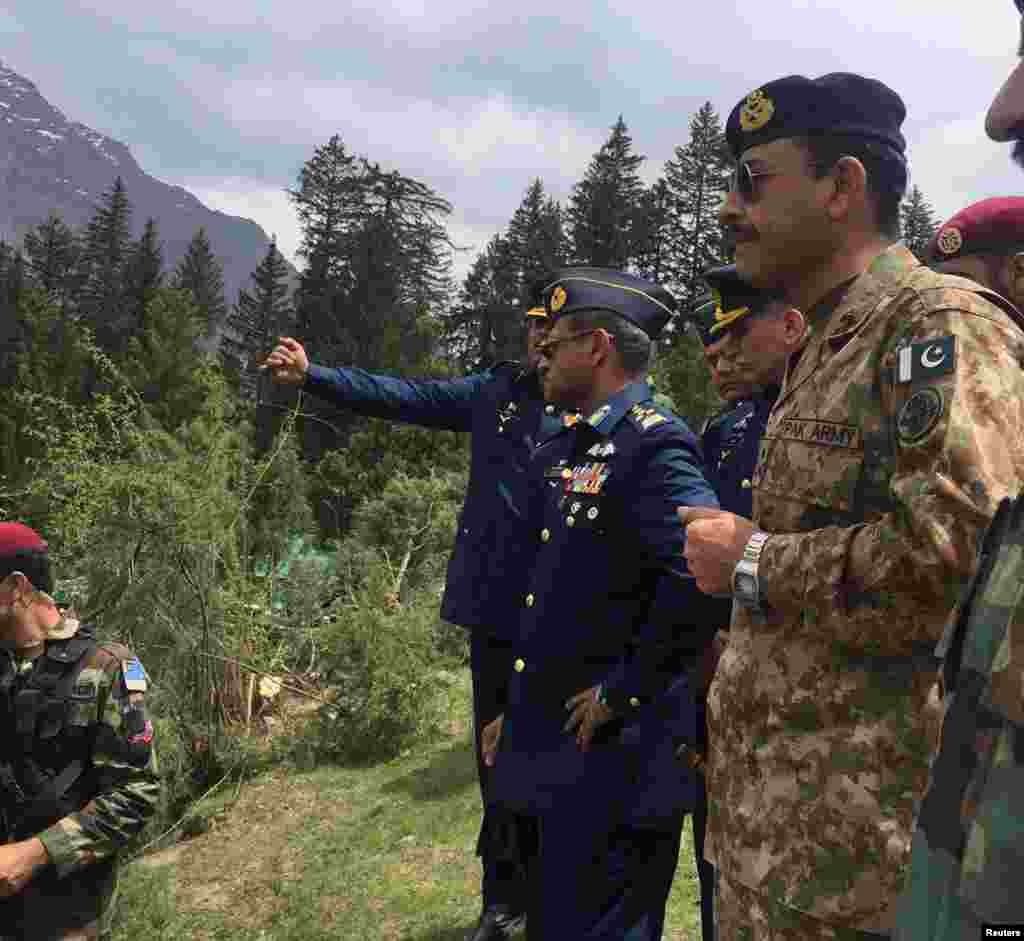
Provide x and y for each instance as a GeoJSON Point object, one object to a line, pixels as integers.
{"type": "Point", "coordinates": [135, 679]}
{"type": "Point", "coordinates": [926, 359]}
{"type": "Point", "coordinates": [919, 415]}
{"type": "Point", "coordinates": [647, 416]}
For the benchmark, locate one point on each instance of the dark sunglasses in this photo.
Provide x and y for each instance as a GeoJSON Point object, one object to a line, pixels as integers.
{"type": "Point", "coordinates": [548, 348]}
{"type": "Point", "coordinates": [744, 177]}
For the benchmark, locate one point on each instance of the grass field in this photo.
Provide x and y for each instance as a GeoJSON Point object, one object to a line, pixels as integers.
{"type": "Point", "coordinates": [366, 854]}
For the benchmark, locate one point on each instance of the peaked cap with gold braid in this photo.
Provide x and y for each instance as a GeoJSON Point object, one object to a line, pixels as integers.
{"type": "Point", "coordinates": [732, 299]}
{"type": "Point", "coordinates": [644, 303]}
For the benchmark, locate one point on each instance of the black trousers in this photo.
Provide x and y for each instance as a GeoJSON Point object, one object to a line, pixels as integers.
{"type": "Point", "coordinates": [590, 879]}
{"type": "Point", "coordinates": [498, 845]}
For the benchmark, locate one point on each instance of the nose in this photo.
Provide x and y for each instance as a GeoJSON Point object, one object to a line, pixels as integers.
{"type": "Point", "coordinates": [1005, 119]}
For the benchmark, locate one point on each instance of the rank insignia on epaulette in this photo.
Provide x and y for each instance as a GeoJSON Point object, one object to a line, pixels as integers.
{"type": "Point", "coordinates": [926, 359]}
{"type": "Point", "coordinates": [648, 417]}
{"type": "Point", "coordinates": [135, 679]}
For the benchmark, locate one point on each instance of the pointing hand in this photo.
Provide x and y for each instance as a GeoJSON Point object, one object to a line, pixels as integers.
{"type": "Point", "coordinates": [287, 362]}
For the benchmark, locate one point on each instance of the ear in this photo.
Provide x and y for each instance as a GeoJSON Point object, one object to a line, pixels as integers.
{"type": "Point", "coordinates": [851, 182]}
{"type": "Point", "coordinates": [1015, 266]}
{"type": "Point", "coordinates": [794, 326]}
{"type": "Point", "coordinates": [602, 347]}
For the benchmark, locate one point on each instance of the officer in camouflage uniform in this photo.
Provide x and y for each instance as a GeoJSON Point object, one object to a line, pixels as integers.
{"type": "Point", "coordinates": [504, 412]}
{"type": "Point", "coordinates": [967, 855]}
{"type": "Point", "coordinates": [894, 437]}
{"type": "Point", "coordinates": [78, 774]}
{"type": "Point", "coordinates": [748, 335]}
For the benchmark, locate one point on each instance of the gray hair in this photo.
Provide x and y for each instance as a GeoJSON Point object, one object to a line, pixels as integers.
{"type": "Point", "coordinates": [636, 349]}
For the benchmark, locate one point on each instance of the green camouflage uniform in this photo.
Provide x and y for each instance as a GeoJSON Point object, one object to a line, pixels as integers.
{"type": "Point", "coordinates": [895, 435]}
{"type": "Point", "coordinates": [121, 789]}
{"type": "Point", "coordinates": [967, 857]}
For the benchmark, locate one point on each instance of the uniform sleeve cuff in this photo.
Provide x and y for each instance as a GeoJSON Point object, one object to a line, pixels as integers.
{"type": "Point", "coordinates": [316, 375]}
{"type": "Point", "coordinates": [62, 856]}
{"type": "Point", "coordinates": [778, 587]}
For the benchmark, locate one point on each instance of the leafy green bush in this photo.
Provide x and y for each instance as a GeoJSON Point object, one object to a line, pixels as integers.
{"type": "Point", "coordinates": [390, 683]}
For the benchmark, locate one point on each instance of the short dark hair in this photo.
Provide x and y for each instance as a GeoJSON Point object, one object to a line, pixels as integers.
{"type": "Point", "coordinates": [33, 563]}
{"type": "Point", "coordinates": [636, 348]}
{"type": "Point", "coordinates": [886, 171]}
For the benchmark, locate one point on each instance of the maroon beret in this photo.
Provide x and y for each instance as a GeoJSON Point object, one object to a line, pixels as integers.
{"type": "Point", "coordinates": [993, 225]}
{"type": "Point", "coordinates": [17, 537]}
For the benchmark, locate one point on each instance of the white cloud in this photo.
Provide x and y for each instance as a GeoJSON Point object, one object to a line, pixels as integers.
{"type": "Point", "coordinates": [269, 207]}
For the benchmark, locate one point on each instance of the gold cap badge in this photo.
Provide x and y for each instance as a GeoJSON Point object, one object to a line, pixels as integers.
{"type": "Point", "coordinates": [757, 111]}
{"type": "Point", "coordinates": [558, 298]}
{"type": "Point", "coordinates": [950, 240]}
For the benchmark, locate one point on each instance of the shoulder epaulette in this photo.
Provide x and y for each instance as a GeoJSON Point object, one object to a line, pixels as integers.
{"type": "Point", "coordinates": [648, 416]}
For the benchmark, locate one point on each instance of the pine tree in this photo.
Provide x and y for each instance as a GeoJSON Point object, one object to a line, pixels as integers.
{"type": "Point", "coordinates": [144, 275]}
{"type": "Point", "coordinates": [162, 363]}
{"type": "Point", "coordinates": [257, 320]}
{"type": "Point", "coordinates": [377, 270]}
{"type": "Point", "coordinates": [104, 261]}
{"type": "Point", "coordinates": [654, 215]}
{"type": "Point", "coordinates": [201, 274]}
{"type": "Point", "coordinates": [12, 282]}
{"type": "Point", "coordinates": [918, 223]}
{"type": "Point", "coordinates": [52, 253]}
{"type": "Point", "coordinates": [604, 205]}
{"type": "Point", "coordinates": [697, 178]}
{"type": "Point", "coordinates": [536, 240]}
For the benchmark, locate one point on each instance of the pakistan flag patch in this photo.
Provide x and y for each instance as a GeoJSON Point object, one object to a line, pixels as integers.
{"type": "Point", "coordinates": [926, 359]}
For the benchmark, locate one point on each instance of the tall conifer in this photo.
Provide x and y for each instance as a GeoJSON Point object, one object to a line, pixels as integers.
{"type": "Point", "coordinates": [603, 209]}
{"type": "Point", "coordinates": [918, 222]}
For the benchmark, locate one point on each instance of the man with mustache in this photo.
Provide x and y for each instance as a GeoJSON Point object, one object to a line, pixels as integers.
{"type": "Point", "coordinates": [748, 335]}
{"type": "Point", "coordinates": [612, 627]}
{"type": "Point", "coordinates": [503, 410]}
{"type": "Point", "coordinates": [968, 849]}
{"type": "Point", "coordinates": [895, 435]}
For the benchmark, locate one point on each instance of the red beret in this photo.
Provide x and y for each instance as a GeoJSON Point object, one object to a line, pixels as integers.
{"type": "Point", "coordinates": [993, 225]}
{"type": "Point", "coordinates": [16, 537]}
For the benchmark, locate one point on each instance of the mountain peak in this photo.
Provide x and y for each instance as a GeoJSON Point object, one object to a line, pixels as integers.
{"type": "Point", "coordinates": [50, 164]}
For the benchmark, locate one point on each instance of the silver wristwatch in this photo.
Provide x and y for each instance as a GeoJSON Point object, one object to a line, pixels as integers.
{"type": "Point", "coordinates": [745, 588]}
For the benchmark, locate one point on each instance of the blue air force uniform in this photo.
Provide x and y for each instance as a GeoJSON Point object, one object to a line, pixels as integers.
{"type": "Point", "coordinates": [503, 411]}
{"type": "Point", "coordinates": [609, 601]}
{"type": "Point", "coordinates": [730, 442]}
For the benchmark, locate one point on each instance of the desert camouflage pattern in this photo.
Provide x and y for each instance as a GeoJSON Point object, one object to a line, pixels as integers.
{"type": "Point", "coordinates": [129, 788]}
{"type": "Point", "coordinates": [967, 856]}
{"type": "Point", "coordinates": [824, 713]}
{"type": "Point", "coordinates": [744, 914]}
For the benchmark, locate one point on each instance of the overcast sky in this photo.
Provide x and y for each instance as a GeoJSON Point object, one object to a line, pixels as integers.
{"type": "Point", "coordinates": [477, 98]}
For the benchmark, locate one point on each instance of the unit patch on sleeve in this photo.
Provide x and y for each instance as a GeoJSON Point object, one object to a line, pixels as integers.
{"type": "Point", "coordinates": [135, 679]}
{"type": "Point", "coordinates": [926, 359]}
{"type": "Point", "coordinates": [919, 415]}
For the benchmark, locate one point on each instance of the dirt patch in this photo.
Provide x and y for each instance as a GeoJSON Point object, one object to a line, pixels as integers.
{"type": "Point", "coordinates": [246, 855]}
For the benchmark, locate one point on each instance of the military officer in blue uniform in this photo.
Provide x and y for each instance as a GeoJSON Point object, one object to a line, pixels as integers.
{"type": "Point", "coordinates": [746, 358]}
{"type": "Point", "coordinates": [612, 626]}
{"type": "Point", "coordinates": [503, 410]}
